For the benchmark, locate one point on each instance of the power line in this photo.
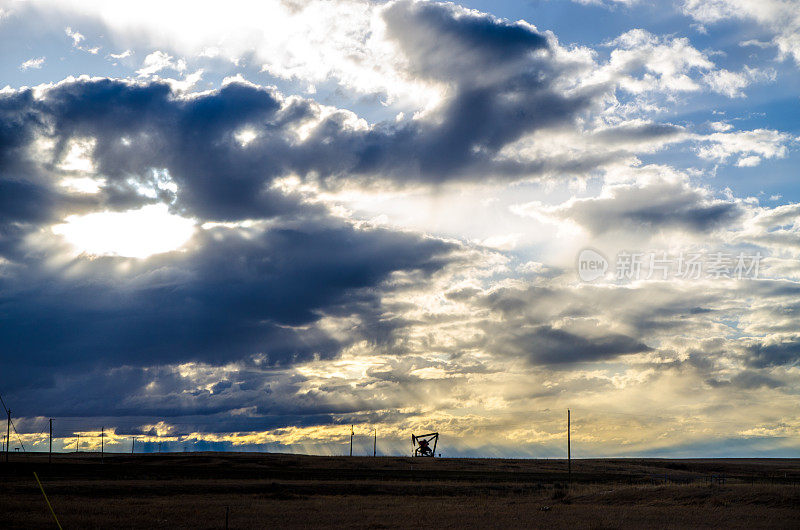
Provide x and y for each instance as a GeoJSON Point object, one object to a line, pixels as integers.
{"type": "Point", "coordinates": [8, 411]}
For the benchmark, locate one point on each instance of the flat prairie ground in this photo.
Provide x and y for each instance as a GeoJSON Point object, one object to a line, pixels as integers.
{"type": "Point", "coordinates": [196, 490]}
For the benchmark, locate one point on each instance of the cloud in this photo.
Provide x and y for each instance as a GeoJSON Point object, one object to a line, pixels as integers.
{"type": "Point", "coordinates": [666, 202]}
{"type": "Point", "coordinates": [445, 43]}
{"type": "Point", "coordinates": [285, 315]}
{"type": "Point", "coordinates": [485, 89]}
{"type": "Point", "coordinates": [515, 93]}
{"type": "Point", "coordinates": [234, 295]}
{"type": "Point", "coordinates": [158, 61]}
{"type": "Point", "coordinates": [731, 84]}
{"type": "Point", "coordinates": [775, 353]}
{"type": "Point", "coordinates": [236, 291]}
{"type": "Point", "coordinates": [721, 126]}
{"type": "Point", "coordinates": [547, 345]}
{"type": "Point", "coordinates": [317, 41]}
{"type": "Point", "coordinates": [32, 64]}
{"type": "Point", "coordinates": [645, 63]}
{"type": "Point", "coordinates": [121, 55]}
{"type": "Point", "coordinates": [140, 127]}
{"type": "Point", "coordinates": [750, 146]}
{"type": "Point", "coordinates": [778, 17]}
{"type": "Point", "coordinates": [666, 63]}
{"type": "Point", "coordinates": [77, 38]}
{"type": "Point", "coordinates": [748, 379]}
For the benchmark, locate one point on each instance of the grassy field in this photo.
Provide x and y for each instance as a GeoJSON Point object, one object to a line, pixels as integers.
{"type": "Point", "coordinates": [268, 490]}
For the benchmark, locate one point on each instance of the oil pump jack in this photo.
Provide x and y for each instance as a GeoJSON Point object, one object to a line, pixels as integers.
{"type": "Point", "coordinates": [422, 444]}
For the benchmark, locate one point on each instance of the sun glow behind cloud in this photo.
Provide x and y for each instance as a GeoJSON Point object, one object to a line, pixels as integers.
{"type": "Point", "coordinates": [134, 233]}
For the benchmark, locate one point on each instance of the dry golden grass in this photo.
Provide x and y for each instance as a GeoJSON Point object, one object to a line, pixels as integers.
{"type": "Point", "coordinates": [263, 491]}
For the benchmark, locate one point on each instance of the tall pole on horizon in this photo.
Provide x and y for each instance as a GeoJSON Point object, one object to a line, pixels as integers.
{"type": "Point", "coordinates": [50, 454]}
{"type": "Point", "coordinates": [569, 450]}
{"type": "Point", "coordinates": [8, 433]}
{"type": "Point", "coordinates": [352, 433]}
{"type": "Point", "coordinates": [102, 444]}
{"type": "Point", "coordinates": [375, 444]}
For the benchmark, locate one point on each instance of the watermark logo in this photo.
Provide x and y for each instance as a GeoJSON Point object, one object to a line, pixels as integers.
{"type": "Point", "coordinates": [591, 265]}
{"type": "Point", "coordinates": [633, 266]}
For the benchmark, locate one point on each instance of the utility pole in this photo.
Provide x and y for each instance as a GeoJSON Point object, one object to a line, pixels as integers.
{"type": "Point", "coordinates": [133, 443]}
{"type": "Point", "coordinates": [352, 433]}
{"type": "Point", "coordinates": [50, 454]}
{"type": "Point", "coordinates": [8, 433]}
{"type": "Point", "coordinates": [569, 450]}
{"type": "Point", "coordinates": [102, 444]}
{"type": "Point", "coordinates": [78, 443]}
{"type": "Point", "coordinates": [375, 444]}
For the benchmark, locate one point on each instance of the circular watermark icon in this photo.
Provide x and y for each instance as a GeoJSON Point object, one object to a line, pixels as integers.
{"type": "Point", "coordinates": [591, 265]}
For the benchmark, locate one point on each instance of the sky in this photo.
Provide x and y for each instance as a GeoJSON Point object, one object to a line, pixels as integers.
{"type": "Point", "coordinates": [247, 227]}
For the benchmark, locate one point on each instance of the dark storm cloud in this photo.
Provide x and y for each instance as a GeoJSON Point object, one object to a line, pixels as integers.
{"type": "Point", "coordinates": [503, 82]}
{"type": "Point", "coordinates": [25, 199]}
{"type": "Point", "coordinates": [785, 353]}
{"type": "Point", "coordinates": [24, 202]}
{"type": "Point", "coordinates": [143, 127]}
{"type": "Point", "coordinates": [443, 41]}
{"type": "Point", "coordinates": [236, 295]}
{"type": "Point", "coordinates": [551, 346]}
{"type": "Point", "coordinates": [747, 380]}
{"type": "Point", "coordinates": [103, 335]}
{"type": "Point", "coordinates": [650, 207]}
{"type": "Point", "coordinates": [140, 128]}
{"type": "Point", "coordinates": [29, 195]}
{"type": "Point", "coordinates": [596, 323]}
{"type": "Point", "coordinates": [203, 395]}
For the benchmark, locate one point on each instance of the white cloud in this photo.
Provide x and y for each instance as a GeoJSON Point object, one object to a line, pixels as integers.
{"type": "Point", "coordinates": [644, 63]}
{"type": "Point", "coordinates": [749, 161]}
{"type": "Point", "coordinates": [779, 17]}
{"type": "Point", "coordinates": [76, 37]}
{"type": "Point", "coordinates": [317, 41]}
{"type": "Point", "coordinates": [750, 146]}
{"type": "Point", "coordinates": [755, 42]}
{"type": "Point", "coordinates": [731, 84]}
{"type": "Point", "coordinates": [721, 126]}
{"type": "Point", "coordinates": [122, 55]}
{"type": "Point", "coordinates": [35, 64]}
{"type": "Point", "coordinates": [502, 241]}
{"type": "Point", "coordinates": [157, 61]}
{"type": "Point", "coordinates": [662, 63]}
{"type": "Point", "coordinates": [187, 83]}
